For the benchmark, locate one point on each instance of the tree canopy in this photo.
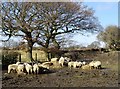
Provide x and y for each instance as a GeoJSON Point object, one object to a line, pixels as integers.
{"type": "Point", "coordinates": [111, 36]}
{"type": "Point", "coordinates": [43, 22]}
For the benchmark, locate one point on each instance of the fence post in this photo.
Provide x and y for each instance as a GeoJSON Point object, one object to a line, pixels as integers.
{"type": "Point", "coordinates": [35, 56]}
{"type": "Point", "coordinates": [19, 57]}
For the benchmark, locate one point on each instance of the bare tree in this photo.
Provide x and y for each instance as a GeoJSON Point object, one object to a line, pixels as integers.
{"type": "Point", "coordinates": [18, 19]}
{"type": "Point", "coordinates": [43, 22]}
{"type": "Point", "coordinates": [63, 18]}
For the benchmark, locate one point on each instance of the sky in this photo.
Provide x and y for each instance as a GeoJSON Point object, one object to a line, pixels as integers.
{"type": "Point", "coordinates": [107, 14]}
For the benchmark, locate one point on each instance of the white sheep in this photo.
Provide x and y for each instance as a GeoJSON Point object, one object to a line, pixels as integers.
{"type": "Point", "coordinates": [86, 67]}
{"type": "Point", "coordinates": [83, 63]}
{"type": "Point", "coordinates": [67, 59]}
{"type": "Point", "coordinates": [13, 67]}
{"type": "Point", "coordinates": [45, 65]}
{"type": "Point", "coordinates": [70, 64]}
{"type": "Point", "coordinates": [54, 59]}
{"type": "Point", "coordinates": [74, 64]}
{"type": "Point", "coordinates": [61, 61]}
{"type": "Point", "coordinates": [28, 68]}
{"type": "Point", "coordinates": [20, 68]}
{"type": "Point", "coordinates": [36, 68]}
{"type": "Point", "coordinates": [48, 63]}
{"type": "Point", "coordinates": [95, 64]}
{"type": "Point", "coordinates": [79, 64]}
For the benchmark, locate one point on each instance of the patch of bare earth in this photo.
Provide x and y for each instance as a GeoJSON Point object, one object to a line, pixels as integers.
{"type": "Point", "coordinates": [65, 77]}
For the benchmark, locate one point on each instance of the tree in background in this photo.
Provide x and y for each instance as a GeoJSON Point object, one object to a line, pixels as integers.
{"type": "Point", "coordinates": [43, 22]}
{"type": "Point", "coordinates": [111, 36]}
{"type": "Point", "coordinates": [62, 18]}
{"type": "Point", "coordinates": [95, 44]}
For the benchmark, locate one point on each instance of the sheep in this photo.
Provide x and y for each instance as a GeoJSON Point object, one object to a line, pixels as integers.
{"type": "Point", "coordinates": [86, 67]}
{"type": "Point", "coordinates": [28, 68]}
{"type": "Point", "coordinates": [70, 64]}
{"type": "Point", "coordinates": [67, 59]}
{"type": "Point", "coordinates": [48, 63]}
{"type": "Point", "coordinates": [18, 63]}
{"type": "Point", "coordinates": [79, 64]}
{"type": "Point", "coordinates": [95, 64]}
{"type": "Point", "coordinates": [20, 68]}
{"type": "Point", "coordinates": [21, 73]}
{"type": "Point", "coordinates": [54, 59]}
{"type": "Point", "coordinates": [45, 65]}
{"type": "Point", "coordinates": [61, 61]}
{"type": "Point", "coordinates": [36, 68]}
{"type": "Point", "coordinates": [83, 63]}
{"type": "Point", "coordinates": [13, 67]}
{"type": "Point", "coordinates": [74, 64]}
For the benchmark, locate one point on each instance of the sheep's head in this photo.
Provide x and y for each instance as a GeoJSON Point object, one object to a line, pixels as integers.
{"type": "Point", "coordinates": [17, 63]}
{"type": "Point", "coordinates": [83, 63]}
{"type": "Point", "coordinates": [25, 63]}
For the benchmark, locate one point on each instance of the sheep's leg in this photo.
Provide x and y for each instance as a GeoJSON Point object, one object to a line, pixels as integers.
{"type": "Point", "coordinates": [37, 71]}
{"type": "Point", "coordinates": [9, 71]}
{"type": "Point", "coordinates": [31, 70]}
{"type": "Point", "coordinates": [22, 70]}
{"type": "Point", "coordinates": [74, 66]}
{"type": "Point", "coordinates": [27, 71]}
{"type": "Point", "coordinates": [70, 66]}
{"type": "Point", "coordinates": [62, 65]}
{"type": "Point", "coordinates": [92, 67]}
{"type": "Point", "coordinates": [99, 67]}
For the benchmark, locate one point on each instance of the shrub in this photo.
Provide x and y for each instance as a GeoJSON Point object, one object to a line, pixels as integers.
{"type": "Point", "coordinates": [9, 58]}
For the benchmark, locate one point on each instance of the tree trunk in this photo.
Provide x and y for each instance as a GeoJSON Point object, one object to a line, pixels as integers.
{"type": "Point", "coordinates": [46, 50]}
{"type": "Point", "coordinates": [57, 47]}
{"type": "Point", "coordinates": [29, 49]}
{"type": "Point", "coordinates": [29, 52]}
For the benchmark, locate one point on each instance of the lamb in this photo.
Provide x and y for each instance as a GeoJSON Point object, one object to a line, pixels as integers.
{"type": "Point", "coordinates": [95, 64]}
{"type": "Point", "coordinates": [36, 68]}
{"type": "Point", "coordinates": [28, 68]}
{"type": "Point", "coordinates": [61, 61]}
{"type": "Point", "coordinates": [13, 67]}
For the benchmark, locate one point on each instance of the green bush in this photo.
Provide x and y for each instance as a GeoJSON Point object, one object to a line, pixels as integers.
{"type": "Point", "coordinates": [9, 58]}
